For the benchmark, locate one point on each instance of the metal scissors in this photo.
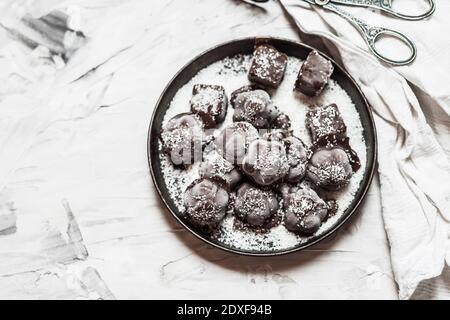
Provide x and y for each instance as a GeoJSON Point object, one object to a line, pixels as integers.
{"type": "Point", "coordinates": [372, 33]}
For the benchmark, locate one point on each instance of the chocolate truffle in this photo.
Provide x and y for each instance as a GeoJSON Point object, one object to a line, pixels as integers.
{"type": "Point", "coordinates": [268, 66]}
{"type": "Point", "coordinates": [232, 143]}
{"type": "Point", "coordinates": [247, 88]}
{"type": "Point", "coordinates": [282, 122]}
{"type": "Point", "coordinates": [265, 162]}
{"type": "Point", "coordinates": [255, 205]}
{"type": "Point", "coordinates": [304, 210]}
{"type": "Point", "coordinates": [297, 155]}
{"type": "Point", "coordinates": [181, 139]}
{"type": "Point", "coordinates": [326, 120]}
{"type": "Point", "coordinates": [276, 135]}
{"type": "Point", "coordinates": [209, 103]}
{"type": "Point", "coordinates": [256, 108]}
{"type": "Point", "coordinates": [332, 163]}
{"type": "Point", "coordinates": [206, 203]}
{"type": "Point", "coordinates": [216, 167]}
{"type": "Point", "coordinates": [314, 74]}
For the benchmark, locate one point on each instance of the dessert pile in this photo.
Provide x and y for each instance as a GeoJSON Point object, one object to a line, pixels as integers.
{"type": "Point", "coordinates": [256, 168]}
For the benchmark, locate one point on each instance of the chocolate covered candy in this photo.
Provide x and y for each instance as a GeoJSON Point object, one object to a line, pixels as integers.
{"type": "Point", "coordinates": [276, 135]}
{"type": "Point", "coordinates": [325, 120]}
{"type": "Point", "coordinates": [268, 66]}
{"type": "Point", "coordinates": [304, 210]}
{"type": "Point", "coordinates": [282, 122]}
{"type": "Point", "coordinates": [297, 155]}
{"type": "Point", "coordinates": [181, 139]}
{"type": "Point", "coordinates": [216, 167]}
{"type": "Point", "coordinates": [265, 162]}
{"type": "Point", "coordinates": [233, 141]}
{"type": "Point", "coordinates": [255, 205]}
{"type": "Point", "coordinates": [256, 108]}
{"type": "Point", "coordinates": [210, 103]}
{"type": "Point", "coordinates": [332, 163]}
{"type": "Point", "coordinates": [206, 202]}
{"type": "Point", "coordinates": [314, 74]}
{"type": "Point", "coordinates": [247, 88]}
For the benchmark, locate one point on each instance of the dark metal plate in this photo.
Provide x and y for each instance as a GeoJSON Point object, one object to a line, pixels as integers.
{"type": "Point", "coordinates": [246, 46]}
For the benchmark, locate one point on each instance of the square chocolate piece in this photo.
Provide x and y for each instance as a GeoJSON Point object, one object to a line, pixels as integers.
{"type": "Point", "coordinates": [268, 66]}
{"type": "Point", "coordinates": [210, 103]}
{"type": "Point", "coordinates": [323, 121]}
{"type": "Point", "coordinates": [314, 75]}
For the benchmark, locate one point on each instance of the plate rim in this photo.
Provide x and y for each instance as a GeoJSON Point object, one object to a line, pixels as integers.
{"type": "Point", "coordinates": [301, 247]}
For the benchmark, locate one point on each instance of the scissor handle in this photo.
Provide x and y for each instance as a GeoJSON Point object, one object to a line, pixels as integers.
{"type": "Point", "coordinates": [374, 33]}
{"type": "Point", "coordinates": [386, 5]}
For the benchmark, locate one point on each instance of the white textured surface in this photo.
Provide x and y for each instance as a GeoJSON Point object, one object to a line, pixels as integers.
{"type": "Point", "coordinates": [67, 133]}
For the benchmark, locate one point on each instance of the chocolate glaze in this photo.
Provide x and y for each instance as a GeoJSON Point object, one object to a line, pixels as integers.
{"type": "Point", "coordinates": [325, 120]}
{"type": "Point", "coordinates": [282, 122]}
{"type": "Point", "coordinates": [298, 155]}
{"type": "Point", "coordinates": [314, 75]}
{"type": "Point", "coordinates": [265, 162]}
{"type": "Point", "coordinates": [268, 66]}
{"type": "Point", "coordinates": [233, 141]}
{"type": "Point", "coordinates": [255, 205]}
{"type": "Point", "coordinates": [332, 163]}
{"type": "Point", "coordinates": [333, 140]}
{"type": "Point", "coordinates": [270, 223]}
{"type": "Point", "coordinates": [181, 139]}
{"type": "Point", "coordinates": [247, 88]}
{"type": "Point", "coordinates": [304, 210]}
{"type": "Point", "coordinates": [332, 207]}
{"type": "Point", "coordinates": [210, 103]}
{"type": "Point", "coordinates": [277, 135]}
{"type": "Point", "coordinates": [206, 201]}
{"type": "Point", "coordinates": [216, 167]}
{"type": "Point", "coordinates": [256, 108]}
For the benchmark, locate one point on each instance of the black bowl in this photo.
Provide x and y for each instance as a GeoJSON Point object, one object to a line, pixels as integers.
{"type": "Point", "coordinates": [246, 46]}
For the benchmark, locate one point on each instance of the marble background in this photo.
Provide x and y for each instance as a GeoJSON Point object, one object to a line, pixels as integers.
{"type": "Point", "coordinates": [79, 215]}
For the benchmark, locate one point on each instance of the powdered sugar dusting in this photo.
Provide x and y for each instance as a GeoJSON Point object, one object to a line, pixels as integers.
{"type": "Point", "coordinates": [231, 73]}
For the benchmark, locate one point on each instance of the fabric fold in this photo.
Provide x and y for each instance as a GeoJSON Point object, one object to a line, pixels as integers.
{"type": "Point", "coordinates": [413, 167]}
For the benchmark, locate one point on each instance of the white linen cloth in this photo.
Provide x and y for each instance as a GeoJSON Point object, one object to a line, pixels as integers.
{"type": "Point", "coordinates": [411, 105]}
